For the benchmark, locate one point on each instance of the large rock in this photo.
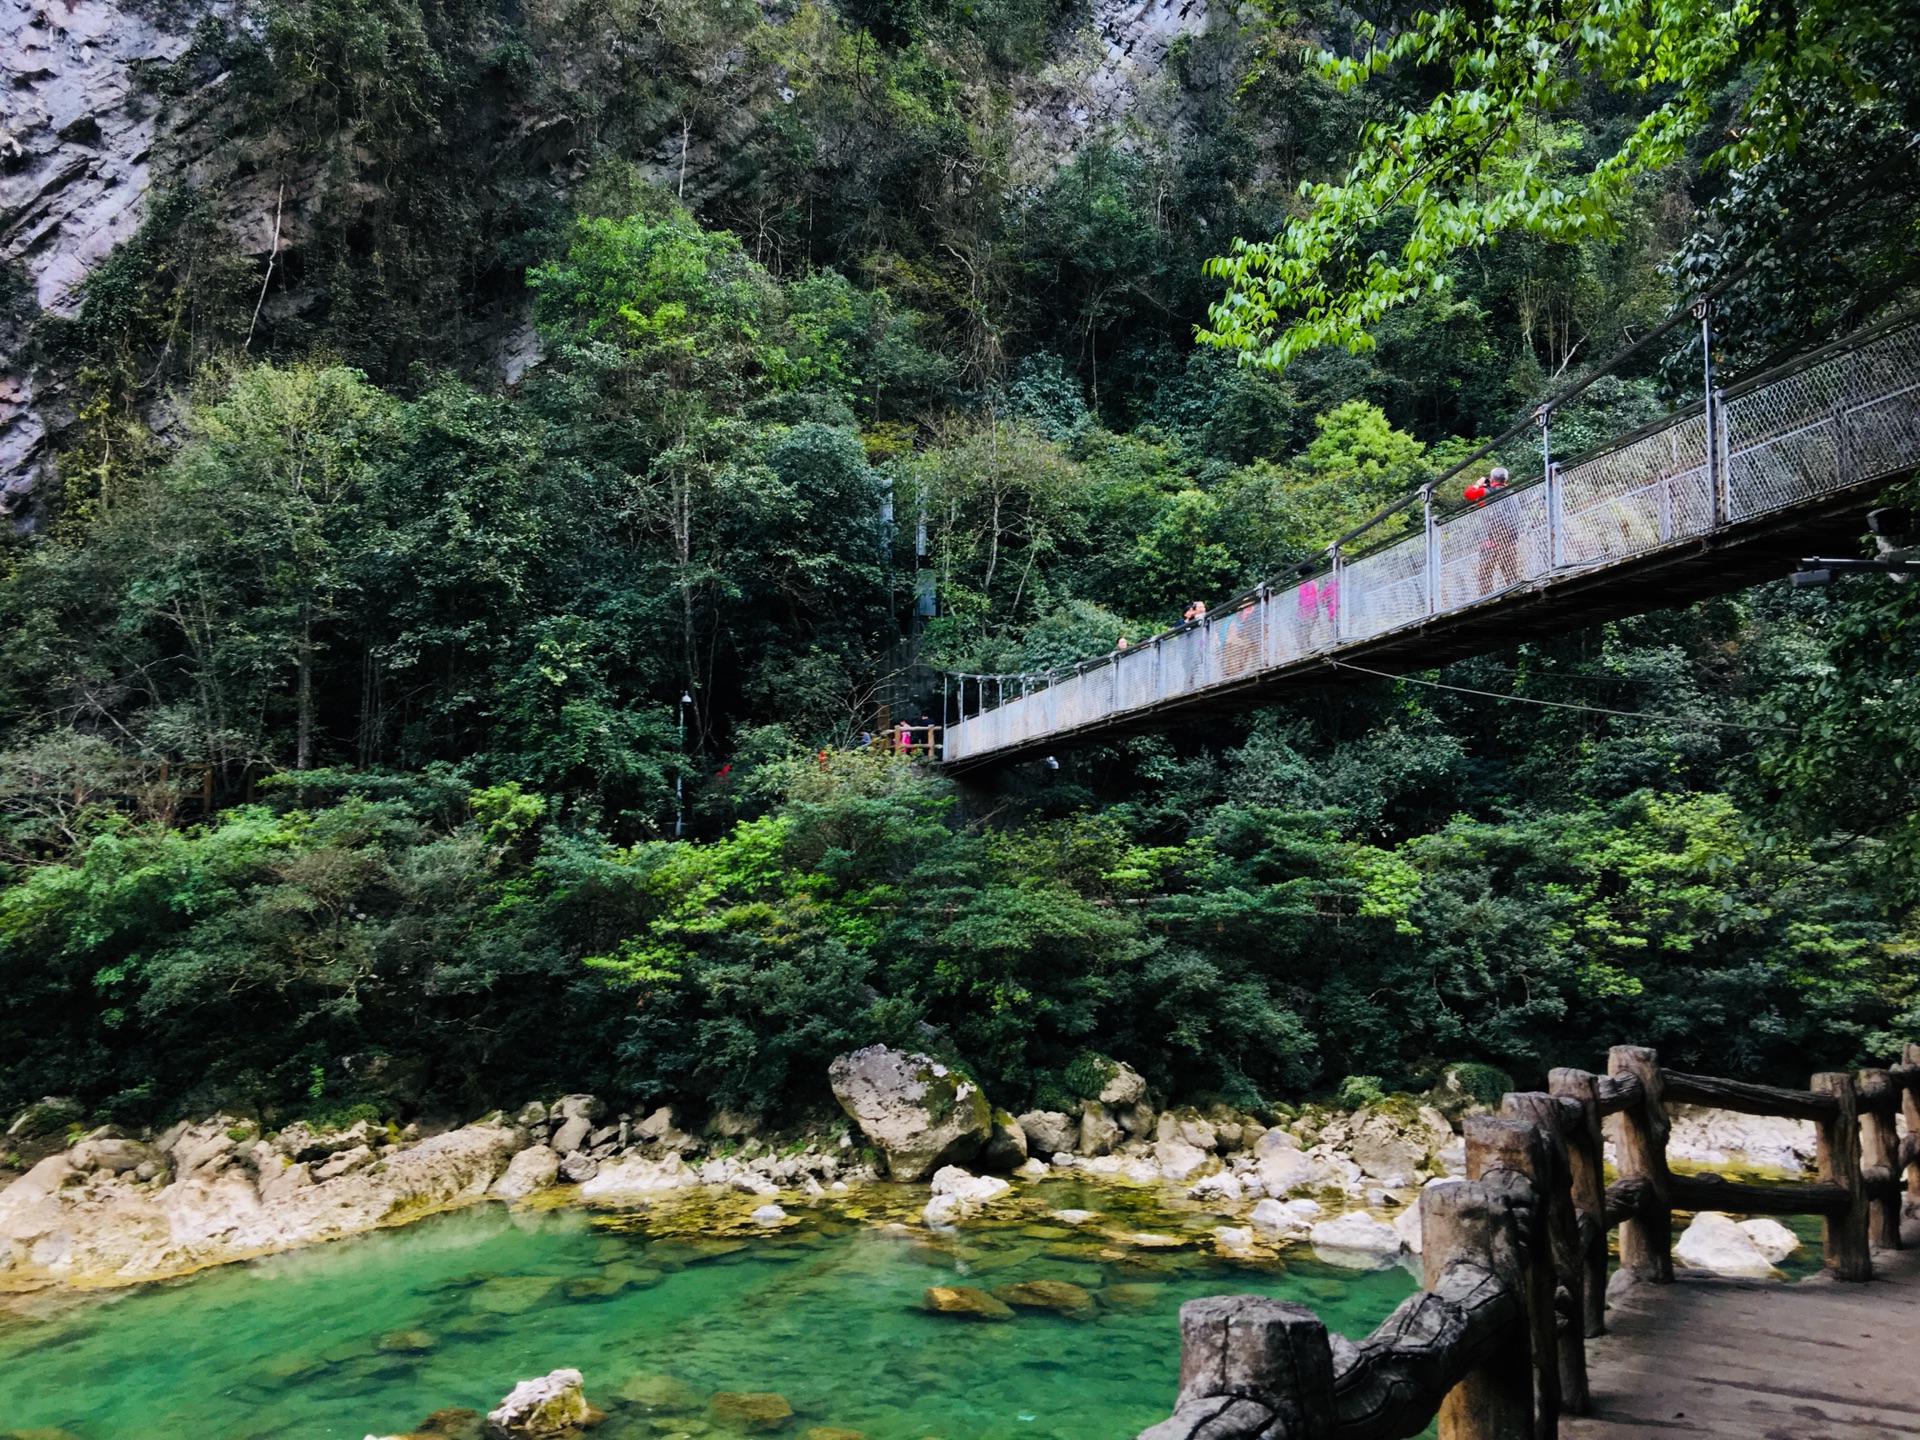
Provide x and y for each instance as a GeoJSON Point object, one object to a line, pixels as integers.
{"type": "Point", "coordinates": [1124, 1087]}
{"type": "Point", "coordinates": [1281, 1164]}
{"type": "Point", "coordinates": [1098, 1131]}
{"type": "Point", "coordinates": [1059, 1295]}
{"type": "Point", "coordinates": [1389, 1143]}
{"type": "Point", "coordinates": [1714, 1242]}
{"type": "Point", "coordinates": [635, 1177]}
{"type": "Point", "coordinates": [1007, 1146]}
{"type": "Point", "coordinates": [750, 1409]}
{"type": "Point", "coordinates": [1178, 1161]}
{"type": "Point", "coordinates": [1270, 1217]}
{"type": "Point", "coordinates": [917, 1113]}
{"type": "Point", "coordinates": [1050, 1132]}
{"type": "Point", "coordinates": [113, 1156]}
{"type": "Point", "coordinates": [1188, 1126]}
{"type": "Point", "coordinates": [534, 1168]}
{"type": "Point", "coordinates": [551, 1406]}
{"type": "Point", "coordinates": [1770, 1238]}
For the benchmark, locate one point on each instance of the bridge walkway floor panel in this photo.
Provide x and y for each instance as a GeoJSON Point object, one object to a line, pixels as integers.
{"type": "Point", "coordinates": [1761, 1360]}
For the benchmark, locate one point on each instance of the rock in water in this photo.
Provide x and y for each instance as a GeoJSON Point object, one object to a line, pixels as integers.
{"type": "Point", "coordinates": [768, 1215]}
{"type": "Point", "coordinates": [956, 1195]}
{"type": "Point", "coordinates": [750, 1409]}
{"type": "Point", "coordinates": [1049, 1132]}
{"type": "Point", "coordinates": [1771, 1238]}
{"type": "Point", "coordinates": [659, 1394]}
{"type": "Point", "coordinates": [549, 1406]}
{"type": "Point", "coordinates": [1713, 1242]}
{"type": "Point", "coordinates": [1356, 1240]}
{"type": "Point", "coordinates": [535, 1168]}
{"type": "Point", "coordinates": [967, 1301]}
{"type": "Point", "coordinates": [1270, 1217]}
{"type": "Point", "coordinates": [1060, 1295]}
{"type": "Point", "coordinates": [919, 1114]}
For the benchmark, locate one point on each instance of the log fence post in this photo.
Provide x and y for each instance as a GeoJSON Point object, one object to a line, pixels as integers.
{"type": "Point", "coordinates": [1880, 1157]}
{"type": "Point", "coordinates": [1843, 1236]}
{"type": "Point", "coordinates": [1561, 1232]}
{"type": "Point", "coordinates": [1910, 1108]}
{"type": "Point", "coordinates": [1640, 1153]}
{"type": "Point", "coordinates": [1587, 1182]}
{"type": "Point", "coordinates": [1493, 1400]}
{"type": "Point", "coordinates": [1520, 1147]}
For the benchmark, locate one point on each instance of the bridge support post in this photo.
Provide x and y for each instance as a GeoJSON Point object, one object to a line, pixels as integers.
{"type": "Point", "coordinates": [1843, 1236]}
{"type": "Point", "coordinates": [1640, 1152]}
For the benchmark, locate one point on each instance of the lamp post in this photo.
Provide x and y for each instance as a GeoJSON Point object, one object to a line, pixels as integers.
{"type": "Point", "coordinates": [679, 776]}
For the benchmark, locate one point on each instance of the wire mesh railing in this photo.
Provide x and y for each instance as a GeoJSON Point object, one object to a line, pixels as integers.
{"type": "Point", "coordinates": [1841, 416]}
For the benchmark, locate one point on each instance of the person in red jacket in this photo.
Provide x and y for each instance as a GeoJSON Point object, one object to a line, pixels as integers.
{"type": "Point", "coordinates": [1500, 540]}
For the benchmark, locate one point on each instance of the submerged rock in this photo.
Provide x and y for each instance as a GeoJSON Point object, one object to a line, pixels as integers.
{"type": "Point", "coordinates": [404, 1342]}
{"type": "Point", "coordinates": [750, 1409]}
{"type": "Point", "coordinates": [549, 1406]}
{"type": "Point", "coordinates": [659, 1394]}
{"type": "Point", "coordinates": [968, 1302]}
{"type": "Point", "coordinates": [1059, 1295]}
{"type": "Point", "coordinates": [917, 1113]}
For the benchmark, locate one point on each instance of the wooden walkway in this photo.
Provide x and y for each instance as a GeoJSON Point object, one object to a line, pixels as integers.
{"type": "Point", "coordinates": [1761, 1360]}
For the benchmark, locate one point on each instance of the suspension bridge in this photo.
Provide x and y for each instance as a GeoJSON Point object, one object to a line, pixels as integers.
{"type": "Point", "coordinates": [1719, 496]}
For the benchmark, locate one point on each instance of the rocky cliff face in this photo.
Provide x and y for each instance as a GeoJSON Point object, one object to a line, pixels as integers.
{"type": "Point", "coordinates": [74, 145]}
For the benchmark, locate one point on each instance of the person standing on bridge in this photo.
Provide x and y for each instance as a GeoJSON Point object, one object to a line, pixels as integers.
{"type": "Point", "coordinates": [1500, 540]}
{"type": "Point", "coordinates": [1195, 613]}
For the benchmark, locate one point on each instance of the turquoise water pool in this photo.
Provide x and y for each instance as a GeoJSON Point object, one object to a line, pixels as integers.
{"type": "Point", "coordinates": [828, 1313]}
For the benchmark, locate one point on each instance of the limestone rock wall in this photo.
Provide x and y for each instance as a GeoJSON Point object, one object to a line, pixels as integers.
{"type": "Point", "coordinates": [75, 140]}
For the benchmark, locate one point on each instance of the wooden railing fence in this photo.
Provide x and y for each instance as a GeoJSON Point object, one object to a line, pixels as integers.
{"type": "Point", "coordinates": [1514, 1259]}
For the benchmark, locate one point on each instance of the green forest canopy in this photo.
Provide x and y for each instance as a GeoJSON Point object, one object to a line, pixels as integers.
{"type": "Point", "coordinates": [421, 635]}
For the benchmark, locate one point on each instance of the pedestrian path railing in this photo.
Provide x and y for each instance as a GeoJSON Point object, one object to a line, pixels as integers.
{"type": "Point", "coordinates": [1828, 421]}
{"type": "Point", "coordinates": [1514, 1259]}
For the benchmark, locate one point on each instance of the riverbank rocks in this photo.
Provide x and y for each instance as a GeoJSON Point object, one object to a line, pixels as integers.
{"type": "Point", "coordinates": [546, 1408]}
{"type": "Point", "coordinates": [757, 1410]}
{"type": "Point", "coordinates": [1099, 1131]}
{"type": "Point", "coordinates": [1769, 1143]}
{"type": "Point", "coordinates": [1124, 1087]}
{"type": "Point", "coordinates": [1395, 1141]}
{"type": "Point", "coordinates": [967, 1302]}
{"type": "Point", "coordinates": [1714, 1242]}
{"type": "Point", "coordinates": [230, 1197]}
{"type": "Point", "coordinates": [917, 1113]}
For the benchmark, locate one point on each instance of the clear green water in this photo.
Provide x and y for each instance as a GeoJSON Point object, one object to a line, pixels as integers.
{"type": "Point", "coordinates": [828, 1314]}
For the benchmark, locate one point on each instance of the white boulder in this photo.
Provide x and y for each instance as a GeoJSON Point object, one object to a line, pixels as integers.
{"type": "Point", "coordinates": [534, 1168]}
{"type": "Point", "coordinates": [1179, 1161]}
{"type": "Point", "coordinates": [1770, 1238]}
{"type": "Point", "coordinates": [957, 1195]}
{"type": "Point", "coordinates": [919, 1114]}
{"type": "Point", "coordinates": [1355, 1240]}
{"type": "Point", "coordinates": [1124, 1087]}
{"type": "Point", "coordinates": [635, 1176]}
{"type": "Point", "coordinates": [1714, 1242]}
{"type": "Point", "coordinates": [1273, 1218]}
{"type": "Point", "coordinates": [768, 1215]}
{"type": "Point", "coordinates": [1233, 1237]}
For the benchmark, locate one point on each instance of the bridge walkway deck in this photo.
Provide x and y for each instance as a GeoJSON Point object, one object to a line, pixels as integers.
{"type": "Point", "coordinates": [1761, 1360]}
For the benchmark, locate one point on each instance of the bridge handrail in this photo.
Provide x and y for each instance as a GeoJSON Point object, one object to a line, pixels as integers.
{"type": "Point", "coordinates": [1514, 1259]}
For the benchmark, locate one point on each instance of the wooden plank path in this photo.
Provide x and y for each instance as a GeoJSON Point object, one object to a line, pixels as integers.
{"type": "Point", "coordinates": [1761, 1359]}
{"type": "Point", "coordinates": [1510, 1338]}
